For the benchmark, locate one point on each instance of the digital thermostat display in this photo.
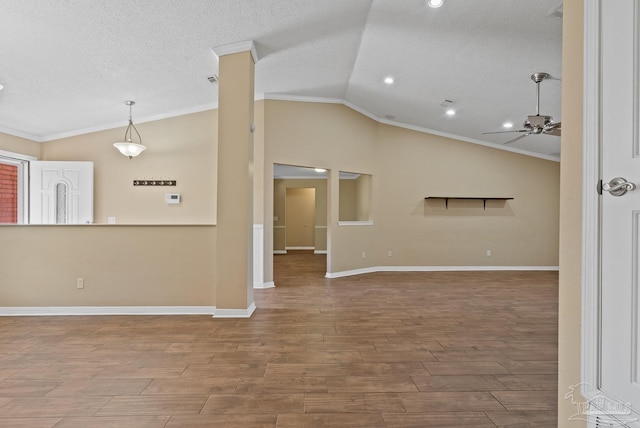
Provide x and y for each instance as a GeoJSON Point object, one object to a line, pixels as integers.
{"type": "Point", "coordinates": [172, 198]}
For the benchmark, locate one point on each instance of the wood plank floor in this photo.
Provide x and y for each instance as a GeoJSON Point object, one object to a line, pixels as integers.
{"type": "Point", "coordinates": [437, 349]}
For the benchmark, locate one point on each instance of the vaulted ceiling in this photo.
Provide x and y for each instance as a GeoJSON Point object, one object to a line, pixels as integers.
{"type": "Point", "coordinates": [68, 66]}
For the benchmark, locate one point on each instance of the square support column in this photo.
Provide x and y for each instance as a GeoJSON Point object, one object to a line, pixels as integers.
{"type": "Point", "coordinates": [234, 274]}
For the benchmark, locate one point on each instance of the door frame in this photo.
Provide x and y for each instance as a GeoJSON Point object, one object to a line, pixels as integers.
{"type": "Point", "coordinates": [591, 203]}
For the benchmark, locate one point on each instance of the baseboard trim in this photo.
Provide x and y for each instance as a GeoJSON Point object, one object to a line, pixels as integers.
{"type": "Point", "coordinates": [437, 269]}
{"type": "Point", "coordinates": [235, 313]}
{"type": "Point", "coordinates": [104, 310]}
{"type": "Point", "coordinates": [263, 285]}
{"type": "Point", "coordinates": [320, 252]}
{"type": "Point", "coordinates": [300, 248]}
{"type": "Point", "coordinates": [279, 251]}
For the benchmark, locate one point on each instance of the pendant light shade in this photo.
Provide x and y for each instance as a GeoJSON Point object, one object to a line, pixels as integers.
{"type": "Point", "coordinates": [128, 146]}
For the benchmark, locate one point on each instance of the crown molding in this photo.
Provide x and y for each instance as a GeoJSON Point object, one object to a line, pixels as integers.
{"type": "Point", "coordinates": [302, 98]}
{"type": "Point", "coordinates": [282, 97]}
{"type": "Point", "coordinates": [21, 134]}
{"type": "Point", "coordinates": [121, 124]}
{"type": "Point", "coordinates": [237, 48]}
{"type": "Point", "coordinates": [470, 140]}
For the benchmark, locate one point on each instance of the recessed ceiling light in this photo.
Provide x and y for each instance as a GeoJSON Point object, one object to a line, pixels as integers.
{"type": "Point", "coordinates": [389, 80]}
{"type": "Point", "coordinates": [320, 170]}
{"type": "Point", "coordinates": [1, 87]}
{"type": "Point", "coordinates": [435, 3]}
{"type": "Point", "coordinates": [507, 125]}
{"type": "Point", "coordinates": [451, 112]}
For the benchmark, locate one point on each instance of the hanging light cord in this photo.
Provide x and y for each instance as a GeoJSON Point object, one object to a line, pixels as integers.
{"type": "Point", "coordinates": [128, 134]}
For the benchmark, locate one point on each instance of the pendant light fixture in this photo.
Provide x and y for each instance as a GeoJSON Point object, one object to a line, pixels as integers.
{"type": "Point", "coordinates": [127, 146]}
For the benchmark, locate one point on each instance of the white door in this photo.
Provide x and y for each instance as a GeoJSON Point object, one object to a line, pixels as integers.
{"type": "Point", "coordinates": [620, 215]}
{"type": "Point", "coordinates": [60, 192]}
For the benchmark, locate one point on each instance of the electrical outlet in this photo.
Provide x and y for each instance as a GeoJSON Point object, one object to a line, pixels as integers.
{"type": "Point", "coordinates": [80, 283]}
{"type": "Point", "coordinates": [488, 253]}
{"type": "Point", "coordinates": [111, 220]}
{"type": "Point", "coordinates": [364, 255]}
{"type": "Point", "coordinates": [389, 253]}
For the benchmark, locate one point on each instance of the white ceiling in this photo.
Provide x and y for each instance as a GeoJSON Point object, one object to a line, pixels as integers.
{"type": "Point", "coordinates": [68, 66]}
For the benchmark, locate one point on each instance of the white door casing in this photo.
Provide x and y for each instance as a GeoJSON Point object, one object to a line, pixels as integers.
{"type": "Point", "coordinates": [611, 224]}
{"type": "Point", "coordinates": [60, 192]}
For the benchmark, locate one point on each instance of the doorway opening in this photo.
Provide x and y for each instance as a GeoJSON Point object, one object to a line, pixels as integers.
{"type": "Point", "coordinates": [299, 220]}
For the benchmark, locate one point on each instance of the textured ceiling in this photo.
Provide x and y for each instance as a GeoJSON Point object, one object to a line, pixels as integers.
{"type": "Point", "coordinates": [67, 66]}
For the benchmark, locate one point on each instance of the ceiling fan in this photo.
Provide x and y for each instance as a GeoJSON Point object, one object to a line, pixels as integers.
{"type": "Point", "coordinates": [535, 124]}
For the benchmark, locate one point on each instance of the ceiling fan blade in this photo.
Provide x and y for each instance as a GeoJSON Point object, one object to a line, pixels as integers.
{"type": "Point", "coordinates": [517, 138]}
{"type": "Point", "coordinates": [506, 132]}
{"type": "Point", "coordinates": [553, 129]}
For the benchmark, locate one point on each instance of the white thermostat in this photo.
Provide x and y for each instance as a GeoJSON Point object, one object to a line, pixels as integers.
{"type": "Point", "coordinates": [172, 198]}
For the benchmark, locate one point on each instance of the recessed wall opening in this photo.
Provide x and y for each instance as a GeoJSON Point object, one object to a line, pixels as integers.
{"type": "Point", "coordinates": [355, 197]}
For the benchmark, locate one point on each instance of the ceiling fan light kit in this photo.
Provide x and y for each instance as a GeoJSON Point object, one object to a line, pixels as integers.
{"type": "Point", "coordinates": [536, 124]}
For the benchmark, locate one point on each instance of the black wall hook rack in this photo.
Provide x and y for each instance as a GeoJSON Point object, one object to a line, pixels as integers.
{"type": "Point", "coordinates": [154, 182]}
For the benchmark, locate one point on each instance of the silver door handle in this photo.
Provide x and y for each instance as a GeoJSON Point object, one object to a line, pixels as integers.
{"type": "Point", "coordinates": [618, 186]}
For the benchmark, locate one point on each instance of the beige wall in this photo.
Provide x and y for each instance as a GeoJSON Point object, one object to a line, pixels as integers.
{"type": "Point", "coordinates": [407, 166]}
{"type": "Point", "coordinates": [330, 136]}
{"type": "Point", "coordinates": [258, 163]}
{"type": "Point", "coordinates": [181, 148]}
{"type": "Point", "coordinates": [348, 202]}
{"type": "Point", "coordinates": [413, 165]}
{"type": "Point", "coordinates": [9, 143]}
{"type": "Point", "coordinates": [121, 265]}
{"type": "Point", "coordinates": [355, 198]}
{"type": "Point", "coordinates": [363, 197]}
{"type": "Point", "coordinates": [570, 297]}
